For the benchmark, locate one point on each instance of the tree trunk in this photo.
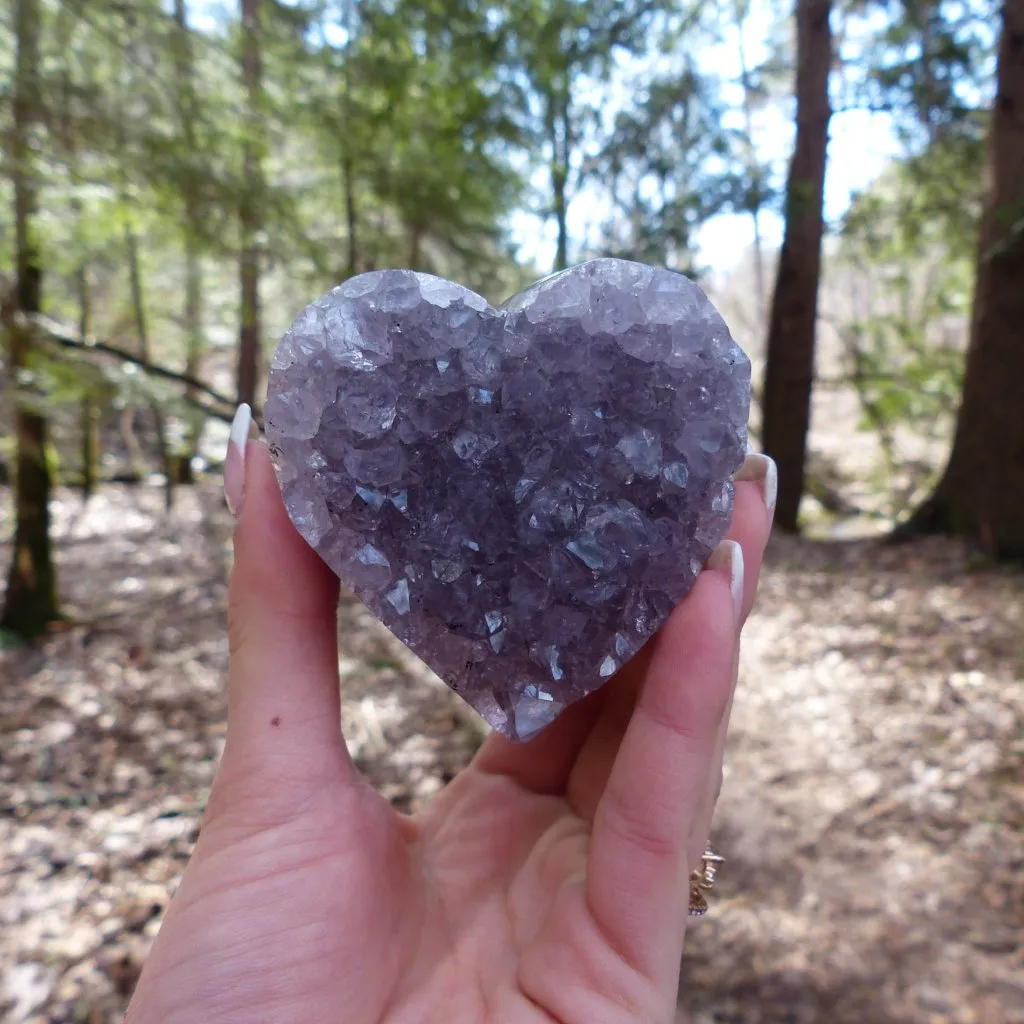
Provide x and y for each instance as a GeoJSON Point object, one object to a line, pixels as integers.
{"type": "Point", "coordinates": [89, 427]}
{"type": "Point", "coordinates": [351, 218]}
{"type": "Point", "coordinates": [31, 599]}
{"type": "Point", "coordinates": [88, 411]}
{"type": "Point", "coordinates": [557, 118]}
{"type": "Point", "coordinates": [89, 414]}
{"type": "Point", "coordinates": [31, 602]}
{"type": "Point", "coordinates": [414, 252]}
{"type": "Point", "coordinates": [193, 354]}
{"type": "Point", "coordinates": [790, 349]}
{"type": "Point", "coordinates": [136, 471]}
{"type": "Point", "coordinates": [139, 308]}
{"type": "Point", "coordinates": [981, 493]}
{"type": "Point", "coordinates": [755, 201]}
{"type": "Point", "coordinates": [347, 169]}
{"type": "Point", "coordinates": [251, 205]}
{"type": "Point", "coordinates": [192, 214]}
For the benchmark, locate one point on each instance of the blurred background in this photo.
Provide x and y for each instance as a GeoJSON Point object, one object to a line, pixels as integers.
{"type": "Point", "coordinates": [845, 179]}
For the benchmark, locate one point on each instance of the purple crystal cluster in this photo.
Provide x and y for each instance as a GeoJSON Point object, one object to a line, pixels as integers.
{"type": "Point", "coordinates": [522, 494]}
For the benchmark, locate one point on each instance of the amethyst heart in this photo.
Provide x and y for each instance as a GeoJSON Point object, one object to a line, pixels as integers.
{"type": "Point", "coordinates": [521, 495]}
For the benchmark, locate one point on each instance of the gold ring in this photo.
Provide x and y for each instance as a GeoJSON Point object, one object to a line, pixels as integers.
{"type": "Point", "coordinates": [702, 880]}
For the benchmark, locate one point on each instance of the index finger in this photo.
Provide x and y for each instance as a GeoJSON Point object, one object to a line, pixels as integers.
{"type": "Point", "coordinates": [637, 864]}
{"type": "Point", "coordinates": [284, 715]}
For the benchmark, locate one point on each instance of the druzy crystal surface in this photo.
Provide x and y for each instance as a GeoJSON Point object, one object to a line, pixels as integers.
{"type": "Point", "coordinates": [521, 494]}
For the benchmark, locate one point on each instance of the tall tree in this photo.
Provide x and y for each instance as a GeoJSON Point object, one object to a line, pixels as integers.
{"type": "Point", "coordinates": [347, 142]}
{"type": "Point", "coordinates": [753, 200]}
{"type": "Point", "coordinates": [430, 135]}
{"type": "Point", "coordinates": [131, 243]}
{"type": "Point", "coordinates": [88, 410]}
{"type": "Point", "coordinates": [186, 104]}
{"type": "Point", "coordinates": [789, 375]}
{"type": "Point", "coordinates": [128, 216]}
{"type": "Point", "coordinates": [660, 164]}
{"type": "Point", "coordinates": [560, 131]}
{"type": "Point", "coordinates": [981, 493]}
{"type": "Point", "coordinates": [557, 43]}
{"type": "Point", "coordinates": [31, 600]}
{"type": "Point", "coordinates": [251, 204]}
{"type": "Point", "coordinates": [89, 413]}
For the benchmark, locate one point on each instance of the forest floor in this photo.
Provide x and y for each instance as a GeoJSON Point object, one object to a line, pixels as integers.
{"type": "Point", "coordinates": [872, 815]}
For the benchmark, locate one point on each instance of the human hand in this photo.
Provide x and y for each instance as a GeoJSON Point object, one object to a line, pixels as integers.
{"type": "Point", "coordinates": [548, 881]}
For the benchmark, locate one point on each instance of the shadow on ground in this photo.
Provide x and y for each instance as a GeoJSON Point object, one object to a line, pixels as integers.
{"type": "Point", "coordinates": [873, 812]}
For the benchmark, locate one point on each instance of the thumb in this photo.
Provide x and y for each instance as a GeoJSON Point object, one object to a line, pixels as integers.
{"type": "Point", "coordinates": [284, 718]}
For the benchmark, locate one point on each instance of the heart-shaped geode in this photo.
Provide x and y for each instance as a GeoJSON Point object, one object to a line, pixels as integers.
{"type": "Point", "coordinates": [522, 494]}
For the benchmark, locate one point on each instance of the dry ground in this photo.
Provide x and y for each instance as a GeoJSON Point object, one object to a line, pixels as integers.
{"type": "Point", "coordinates": [873, 813]}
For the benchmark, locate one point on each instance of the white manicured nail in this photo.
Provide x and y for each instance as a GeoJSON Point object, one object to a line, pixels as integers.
{"type": "Point", "coordinates": [234, 462]}
{"type": "Point", "coordinates": [761, 470]}
{"type": "Point", "coordinates": [728, 558]}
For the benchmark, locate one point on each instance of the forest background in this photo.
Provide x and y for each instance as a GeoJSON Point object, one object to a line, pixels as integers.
{"type": "Point", "coordinates": [846, 180]}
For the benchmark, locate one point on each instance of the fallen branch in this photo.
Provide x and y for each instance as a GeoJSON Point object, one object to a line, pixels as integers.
{"type": "Point", "coordinates": [70, 339]}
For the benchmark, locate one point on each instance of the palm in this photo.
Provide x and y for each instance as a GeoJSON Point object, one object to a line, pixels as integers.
{"type": "Point", "coordinates": [548, 881]}
{"type": "Point", "coordinates": [473, 910]}
{"type": "Point", "coordinates": [458, 914]}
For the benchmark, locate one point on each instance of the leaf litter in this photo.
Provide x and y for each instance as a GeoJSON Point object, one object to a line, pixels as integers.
{"type": "Point", "coordinates": [872, 814]}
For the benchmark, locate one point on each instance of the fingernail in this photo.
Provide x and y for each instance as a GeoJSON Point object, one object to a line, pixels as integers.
{"type": "Point", "coordinates": [728, 558]}
{"type": "Point", "coordinates": [761, 470]}
{"type": "Point", "coordinates": [234, 463]}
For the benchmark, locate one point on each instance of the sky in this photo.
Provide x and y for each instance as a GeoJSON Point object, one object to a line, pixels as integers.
{"type": "Point", "coordinates": [860, 145]}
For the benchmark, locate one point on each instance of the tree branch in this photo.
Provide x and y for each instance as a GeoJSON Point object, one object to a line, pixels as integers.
{"type": "Point", "coordinates": [52, 331]}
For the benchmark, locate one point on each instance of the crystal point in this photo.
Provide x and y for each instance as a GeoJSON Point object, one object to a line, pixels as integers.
{"type": "Point", "coordinates": [521, 494]}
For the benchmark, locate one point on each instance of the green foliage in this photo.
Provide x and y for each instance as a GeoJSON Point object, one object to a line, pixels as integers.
{"type": "Point", "coordinates": [931, 63]}
{"type": "Point", "coordinates": [394, 132]}
{"type": "Point", "coordinates": [910, 242]}
{"type": "Point", "coordinates": [565, 53]}
{"type": "Point", "coordinates": [669, 165]}
{"type": "Point", "coordinates": [403, 98]}
{"type": "Point", "coordinates": [408, 132]}
{"type": "Point", "coordinates": [908, 245]}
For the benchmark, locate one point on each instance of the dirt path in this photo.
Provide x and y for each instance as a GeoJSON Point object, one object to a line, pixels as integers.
{"type": "Point", "coordinates": [873, 814]}
{"type": "Point", "coordinates": [873, 810]}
